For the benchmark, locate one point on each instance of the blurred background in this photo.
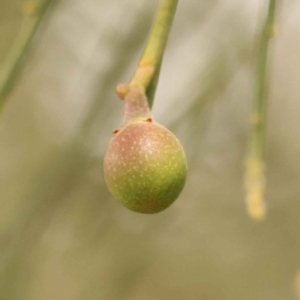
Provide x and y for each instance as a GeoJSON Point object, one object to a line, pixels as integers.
{"type": "Point", "coordinates": [63, 236]}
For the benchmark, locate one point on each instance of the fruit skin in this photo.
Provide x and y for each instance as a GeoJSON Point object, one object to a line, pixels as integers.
{"type": "Point", "coordinates": [145, 167]}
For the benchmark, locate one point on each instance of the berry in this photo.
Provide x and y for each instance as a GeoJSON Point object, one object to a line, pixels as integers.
{"type": "Point", "coordinates": [145, 166]}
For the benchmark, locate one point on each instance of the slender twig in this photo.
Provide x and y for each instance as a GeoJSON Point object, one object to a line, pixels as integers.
{"type": "Point", "coordinates": [255, 162]}
{"type": "Point", "coordinates": [34, 11]}
{"type": "Point", "coordinates": [147, 72]}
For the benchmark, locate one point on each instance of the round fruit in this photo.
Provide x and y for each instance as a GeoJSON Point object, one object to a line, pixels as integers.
{"type": "Point", "coordinates": [145, 167]}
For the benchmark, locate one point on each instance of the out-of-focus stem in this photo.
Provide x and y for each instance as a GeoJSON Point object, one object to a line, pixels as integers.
{"type": "Point", "coordinates": [297, 285]}
{"type": "Point", "coordinates": [147, 72]}
{"type": "Point", "coordinates": [255, 161]}
{"type": "Point", "coordinates": [34, 11]}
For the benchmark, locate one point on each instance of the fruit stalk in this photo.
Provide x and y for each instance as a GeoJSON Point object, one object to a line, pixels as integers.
{"type": "Point", "coordinates": [136, 106]}
{"type": "Point", "coordinates": [146, 75]}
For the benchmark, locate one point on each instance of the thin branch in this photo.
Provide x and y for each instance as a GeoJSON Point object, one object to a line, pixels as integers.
{"type": "Point", "coordinates": [34, 11]}
{"type": "Point", "coordinates": [255, 162]}
{"type": "Point", "coordinates": [147, 72]}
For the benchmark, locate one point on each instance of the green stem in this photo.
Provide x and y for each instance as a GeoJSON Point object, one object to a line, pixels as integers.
{"type": "Point", "coordinates": [255, 177]}
{"type": "Point", "coordinates": [34, 12]}
{"type": "Point", "coordinates": [147, 72]}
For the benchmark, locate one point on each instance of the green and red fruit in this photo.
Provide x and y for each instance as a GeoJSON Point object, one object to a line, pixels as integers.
{"type": "Point", "coordinates": [145, 167]}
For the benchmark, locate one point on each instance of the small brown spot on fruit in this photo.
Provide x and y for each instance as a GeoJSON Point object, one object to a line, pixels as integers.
{"type": "Point", "coordinates": [149, 120]}
{"type": "Point", "coordinates": [116, 131]}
